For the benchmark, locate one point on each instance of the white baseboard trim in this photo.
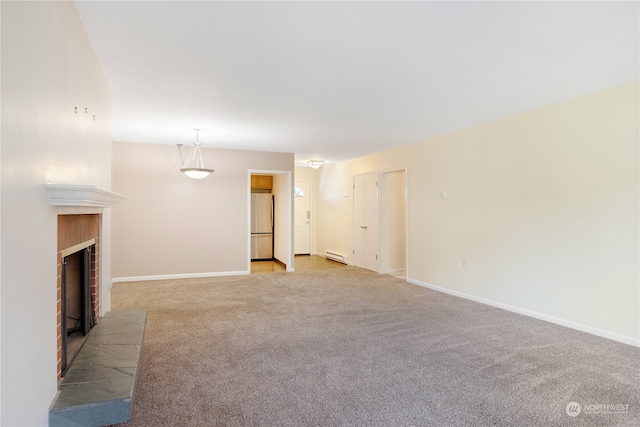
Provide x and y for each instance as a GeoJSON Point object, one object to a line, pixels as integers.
{"type": "Point", "coordinates": [396, 272]}
{"type": "Point", "coordinates": [178, 276]}
{"type": "Point", "coordinates": [558, 321]}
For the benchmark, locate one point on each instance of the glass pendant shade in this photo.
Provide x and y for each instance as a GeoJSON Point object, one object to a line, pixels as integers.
{"type": "Point", "coordinates": [315, 164]}
{"type": "Point", "coordinates": [196, 173]}
{"type": "Point", "coordinates": [194, 166]}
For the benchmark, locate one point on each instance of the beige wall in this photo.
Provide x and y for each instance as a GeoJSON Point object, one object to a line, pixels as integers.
{"type": "Point", "coordinates": [48, 68]}
{"type": "Point", "coordinates": [542, 205]}
{"type": "Point", "coordinates": [174, 226]}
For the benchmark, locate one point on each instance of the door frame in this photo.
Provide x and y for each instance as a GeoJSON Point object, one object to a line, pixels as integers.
{"type": "Point", "coordinates": [383, 195]}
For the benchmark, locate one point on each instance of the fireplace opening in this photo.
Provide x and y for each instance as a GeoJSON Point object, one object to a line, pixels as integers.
{"type": "Point", "coordinates": [77, 303]}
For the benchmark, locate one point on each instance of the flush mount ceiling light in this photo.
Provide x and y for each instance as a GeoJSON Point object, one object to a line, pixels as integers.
{"type": "Point", "coordinates": [315, 164]}
{"type": "Point", "coordinates": [194, 167]}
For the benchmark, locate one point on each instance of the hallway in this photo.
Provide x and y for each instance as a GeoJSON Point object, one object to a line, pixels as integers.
{"type": "Point", "coordinates": [302, 262]}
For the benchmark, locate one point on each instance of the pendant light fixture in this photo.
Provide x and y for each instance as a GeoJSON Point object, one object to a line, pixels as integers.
{"type": "Point", "coordinates": [194, 167]}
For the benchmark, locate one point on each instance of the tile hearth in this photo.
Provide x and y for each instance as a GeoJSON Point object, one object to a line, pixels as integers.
{"type": "Point", "coordinates": [99, 386]}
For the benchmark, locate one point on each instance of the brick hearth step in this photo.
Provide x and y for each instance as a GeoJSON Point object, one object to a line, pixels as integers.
{"type": "Point", "coordinates": [99, 386]}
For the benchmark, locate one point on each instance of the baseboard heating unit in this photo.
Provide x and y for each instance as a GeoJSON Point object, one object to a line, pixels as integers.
{"type": "Point", "coordinates": [335, 257]}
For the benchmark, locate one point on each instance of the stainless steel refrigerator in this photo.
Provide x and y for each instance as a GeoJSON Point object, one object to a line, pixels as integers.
{"type": "Point", "coordinates": [261, 226]}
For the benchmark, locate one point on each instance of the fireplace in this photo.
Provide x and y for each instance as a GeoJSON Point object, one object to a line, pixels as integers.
{"type": "Point", "coordinates": [79, 228]}
{"type": "Point", "coordinates": [78, 283]}
{"type": "Point", "coordinates": [78, 309]}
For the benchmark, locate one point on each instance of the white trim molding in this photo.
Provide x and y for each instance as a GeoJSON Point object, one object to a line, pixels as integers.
{"type": "Point", "coordinates": [562, 322]}
{"type": "Point", "coordinates": [83, 195]}
{"type": "Point", "coordinates": [177, 276]}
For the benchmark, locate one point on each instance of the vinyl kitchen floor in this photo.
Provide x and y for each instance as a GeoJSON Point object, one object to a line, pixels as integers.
{"type": "Point", "coordinates": [302, 262]}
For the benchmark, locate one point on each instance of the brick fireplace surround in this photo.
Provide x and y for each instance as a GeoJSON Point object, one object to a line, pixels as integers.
{"type": "Point", "coordinates": [77, 231]}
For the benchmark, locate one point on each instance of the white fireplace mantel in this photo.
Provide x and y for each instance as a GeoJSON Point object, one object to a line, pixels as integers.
{"type": "Point", "coordinates": [83, 195]}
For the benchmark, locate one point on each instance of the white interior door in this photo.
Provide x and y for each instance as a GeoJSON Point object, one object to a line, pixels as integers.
{"type": "Point", "coordinates": [365, 221]}
{"type": "Point", "coordinates": [302, 214]}
{"type": "Point", "coordinates": [358, 221]}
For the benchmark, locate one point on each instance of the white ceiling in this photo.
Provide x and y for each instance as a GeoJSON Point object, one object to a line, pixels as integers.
{"type": "Point", "coordinates": [339, 80]}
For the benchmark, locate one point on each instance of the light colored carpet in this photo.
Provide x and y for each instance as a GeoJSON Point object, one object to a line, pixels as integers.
{"type": "Point", "coordinates": [348, 347]}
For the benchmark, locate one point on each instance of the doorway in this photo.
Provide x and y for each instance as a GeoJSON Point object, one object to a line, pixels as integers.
{"type": "Point", "coordinates": [302, 214]}
{"type": "Point", "coordinates": [393, 223]}
{"type": "Point", "coordinates": [281, 189]}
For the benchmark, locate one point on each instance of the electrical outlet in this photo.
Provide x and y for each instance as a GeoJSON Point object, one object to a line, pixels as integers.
{"type": "Point", "coordinates": [464, 263]}
{"type": "Point", "coordinates": [458, 263]}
